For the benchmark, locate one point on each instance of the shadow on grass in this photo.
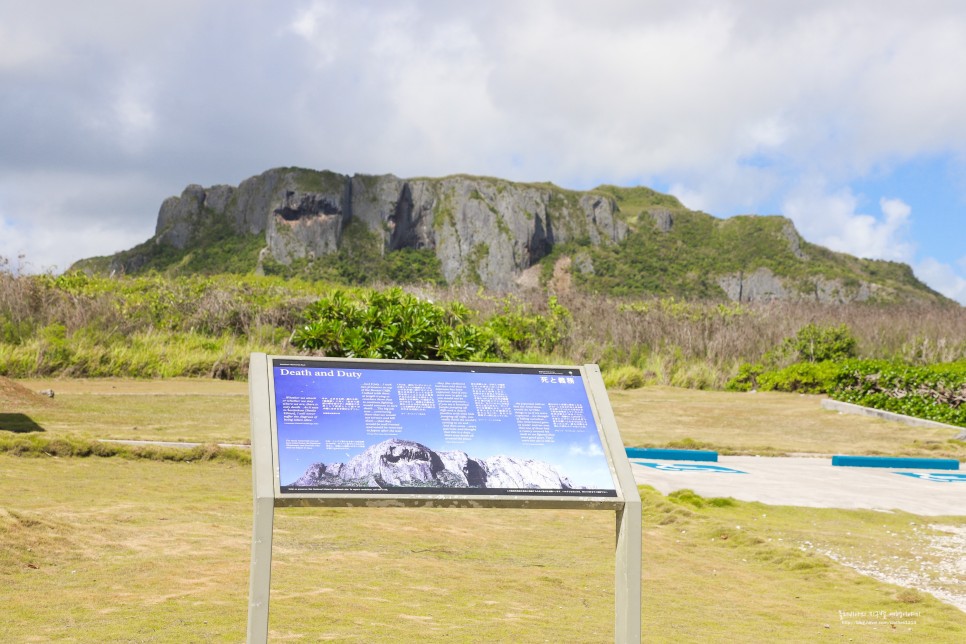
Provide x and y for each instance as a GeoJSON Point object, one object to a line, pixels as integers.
{"type": "Point", "coordinates": [19, 424]}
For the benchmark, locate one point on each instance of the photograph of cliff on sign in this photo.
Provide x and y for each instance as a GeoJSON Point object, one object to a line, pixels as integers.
{"type": "Point", "coordinates": [397, 464]}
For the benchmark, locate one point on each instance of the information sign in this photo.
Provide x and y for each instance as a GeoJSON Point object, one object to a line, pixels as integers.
{"type": "Point", "coordinates": [431, 428]}
{"type": "Point", "coordinates": [344, 432]}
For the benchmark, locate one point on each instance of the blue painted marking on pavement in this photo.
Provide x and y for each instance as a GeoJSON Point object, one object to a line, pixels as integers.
{"type": "Point", "coordinates": [940, 477]}
{"type": "Point", "coordinates": [687, 467]}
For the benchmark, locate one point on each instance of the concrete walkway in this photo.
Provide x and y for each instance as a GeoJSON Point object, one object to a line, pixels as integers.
{"type": "Point", "coordinates": [811, 482]}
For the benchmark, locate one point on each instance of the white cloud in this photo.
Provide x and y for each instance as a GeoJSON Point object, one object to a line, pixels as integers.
{"type": "Point", "coordinates": [693, 199]}
{"type": "Point", "coordinates": [48, 35]}
{"type": "Point", "coordinates": [591, 449]}
{"type": "Point", "coordinates": [322, 27]}
{"type": "Point", "coordinates": [19, 50]}
{"type": "Point", "coordinates": [13, 244]}
{"type": "Point", "coordinates": [831, 218]}
{"type": "Point", "coordinates": [87, 215]}
{"type": "Point", "coordinates": [127, 116]}
{"type": "Point", "coordinates": [739, 106]}
{"type": "Point", "coordinates": [54, 250]}
{"type": "Point", "coordinates": [944, 278]}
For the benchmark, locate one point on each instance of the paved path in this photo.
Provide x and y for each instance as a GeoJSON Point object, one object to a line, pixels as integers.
{"type": "Point", "coordinates": [811, 482]}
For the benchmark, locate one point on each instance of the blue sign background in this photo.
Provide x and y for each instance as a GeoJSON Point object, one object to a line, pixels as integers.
{"type": "Point", "coordinates": [576, 452]}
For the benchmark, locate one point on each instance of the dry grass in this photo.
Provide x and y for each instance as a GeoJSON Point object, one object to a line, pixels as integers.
{"type": "Point", "coordinates": [766, 423]}
{"type": "Point", "coordinates": [212, 411]}
{"type": "Point", "coordinates": [108, 550]}
{"type": "Point", "coordinates": [129, 386]}
{"type": "Point", "coordinates": [181, 409]}
{"type": "Point", "coordinates": [116, 550]}
{"type": "Point", "coordinates": [753, 574]}
{"type": "Point", "coordinates": [105, 550]}
{"type": "Point", "coordinates": [612, 330]}
{"type": "Point", "coordinates": [112, 550]}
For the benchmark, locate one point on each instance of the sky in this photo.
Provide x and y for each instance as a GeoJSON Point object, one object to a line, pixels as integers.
{"type": "Point", "coordinates": [849, 117]}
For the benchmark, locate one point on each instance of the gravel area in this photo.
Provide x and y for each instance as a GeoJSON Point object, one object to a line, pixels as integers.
{"type": "Point", "coordinates": [939, 570]}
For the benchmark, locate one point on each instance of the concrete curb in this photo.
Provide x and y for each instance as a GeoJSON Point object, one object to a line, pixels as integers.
{"type": "Point", "coordinates": [667, 454]}
{"type": "Point", "coordinates": [907, 462]}
{"type": "Point", "coordinates": [849, 408]}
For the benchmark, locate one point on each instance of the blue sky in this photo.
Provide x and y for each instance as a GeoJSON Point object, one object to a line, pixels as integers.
{"type": "Point", "coordinates": [846, 116]}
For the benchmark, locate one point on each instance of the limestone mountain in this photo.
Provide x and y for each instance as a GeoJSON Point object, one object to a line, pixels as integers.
{"type": "Point", "coordinates": [396, 463]}
{"type": "Point", "coordinates": [501, 235]}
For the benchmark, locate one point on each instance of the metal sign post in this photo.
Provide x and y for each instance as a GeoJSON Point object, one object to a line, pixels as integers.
{"type": "Point", "coordinates": [340, 432]}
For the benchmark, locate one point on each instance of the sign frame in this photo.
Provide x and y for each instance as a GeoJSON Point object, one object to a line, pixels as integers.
{"type": "Point", "coordinates": [268, 494]}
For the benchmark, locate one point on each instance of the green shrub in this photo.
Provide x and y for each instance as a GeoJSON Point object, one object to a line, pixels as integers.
{"type": "Point", "coordinates": [55, 353]}
{"type": "Point", "coordinates": [801, 377]}
{"type": "Point", "coordinates": [12, 332]}
{"type": "Point", "coordinates": [815, 343]}
{"type": "Point", "coordinates": [694, 375]}
{"type": "Point", "coordinates": [624, 378]}
{"type": "Point", "coordinates": [936, 392]}
{"type": "Point", "coordinates": [413, 266]}
{"type": "Point", "coordinates": [523, 331]}
{"type": "Point", "coordinates": [746, 378]}
{"type": "Point", "coordinates": [814, 353]}
{"type": "Point", "coordinates": [392, 324]}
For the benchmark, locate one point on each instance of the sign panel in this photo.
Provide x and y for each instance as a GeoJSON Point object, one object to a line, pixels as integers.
{"type": "Point", "coordinates": [351, 427]}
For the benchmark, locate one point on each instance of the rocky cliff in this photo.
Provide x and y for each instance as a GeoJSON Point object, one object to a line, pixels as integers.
{"type": "Point", "coordinates": [503, 236]}
{"type": "Point", "coordinates": [482, 230]}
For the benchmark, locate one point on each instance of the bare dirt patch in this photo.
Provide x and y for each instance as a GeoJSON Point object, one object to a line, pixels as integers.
{"type": "Point", "coordinates": [560, 283]}
{"type": "Point", "coordinates": [131, 386]}
{"type": "Point", "coordinates": [14, 396]}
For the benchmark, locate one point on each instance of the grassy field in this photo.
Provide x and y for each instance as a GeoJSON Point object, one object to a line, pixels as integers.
{"type": "Point", "coordinates": [765, 423]}
{"type": "Point", "coordinates": [178, 409]}
{"type": "Point", "coordinates": [113, 550]}
{"type": "Point", "coordinates": [95, 549]}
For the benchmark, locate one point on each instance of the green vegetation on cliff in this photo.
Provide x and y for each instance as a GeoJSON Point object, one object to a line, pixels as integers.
{"type": "Point", "coordinates": [671, 250]}
{"type": "Point", "coordinates": [362, 260]}
{"type": "Point", "coordinates": [484, 231]}
{"type": "Point", "coordinates": [215, 249]}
